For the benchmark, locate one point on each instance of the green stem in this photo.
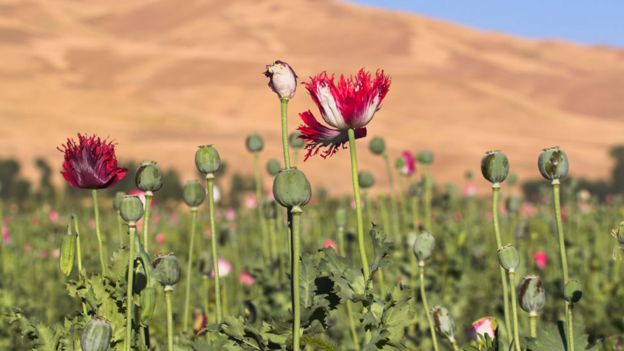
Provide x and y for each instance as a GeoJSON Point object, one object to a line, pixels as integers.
{"type": "Point", "coordinates": [206, 280]}
{"type": "Point", "coordinates": [415, 209]}
{"type": "Point", "coordinates": [393, 197]}
{"type": "Point", "coordinates": [284, 115]}
{"type": "Point", "coordinates": [263, 230]}
{"type": "Point", "coordinates": [79, 256]}
{"type": "Point", "coordinates": [423, 296]}
{"type": "Point", "coordinates": [146, 218]}
{"type": "Point", "coordinates": [213, 242]}
{"type": "Point", "coordinates": [512, 283]}
{"type": "Point", "coordinates": [96, 213]}
{"type": "Point", "coordinates": [120, 228]}
{"type": "Point", "coordinates": [189, 270]}
{"type": "Point", "coordinates": [569, 316]}
{"type": "Point", "coordinates": [533, 326]}
{"type": "Point", "coordinates": [129, 292]}
{"type": "Point", "coordinates": [454, 344]}
{"type": "Point", "coordinates": [562, 253]}
{"type": "Point", "coordinates": [168, 290]}
{"type": "Point", "coordinates": [358, 205]}
{"type": "Point", "coordinates": [356, 341]}
{"type": "Point", "coordinates": [499, 244]}
{"type": "Point", "coordinates": [296, 217]}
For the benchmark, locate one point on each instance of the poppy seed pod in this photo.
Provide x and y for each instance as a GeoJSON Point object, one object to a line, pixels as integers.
{"type": "Point", "coordinates": [273, 167]}
{"type": "Point", "coordinates": [443, 322]}
{"type": "Point", "coordinates": [254, 143]}
{"type": "Point", "coordinates": [495, 167]}
{"type": "Point", "coordinates": [377, 146]}
{"type": "Point", "coordinates": [291, 188]}
{"type": "Point", "coordinates": [513, 204]}
{"type": "Point", "coordinates": [207, 159]}
{"type": "Point", "coordinates": [270, 209]}
{"type": "Point", "coordinates": [425, 157]}
{"type": "Point", "coordinates": [149, 177]}
{"type": "Point", "coordinates": [366, 179]}
{"type": "Point", "coordinates": [193, 193]}
{"type": "Point", "coordinates": [96, 335]}
{"type": "Point", "coordinates": [204, 264]}
{"type": "Point", "coordinates": [282, 79]}
{"type": "Point", "coordinates": [295, 141]}
{"type": "Point", "coordinates": [423, 247]}
{"type": "Point", "coordinates": [166, 270]}
{"type": "Point", "coordinates": [553, 163]}
{"type": "Point", "coordinates": [531, 294]}
{"type": "Point", "coordinates": [573, 291]}
{"type": "Point", "coordinates": [117, 200]}
{"type": "Point", "coordinates": [131, 208]}
{"type": "Point", "coordinates": [508, 257]}
{"type": "Point", "coordinates": [341, 217]}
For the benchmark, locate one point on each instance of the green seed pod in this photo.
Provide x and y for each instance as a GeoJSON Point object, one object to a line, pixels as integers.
{"type": "Point", "coordinates": [254, 143]}
{"type": "Point", "coordinates": [295, 141]}
{"type": "Point", "coordinates": [270, 209]}
{"type": "Point", "coordinates": [573, 291]}
{"type": "Point", "coordinates": [553, 163]}
{"type": "Point", "coordinates": [508, 257]}
{"type": "Point", "coordinates": [207, 159]}
{"type": "Point", "coordinates": [204, 264]}
{"type": "Point", "coordinates": [148, 303]}
{"type": "Point", "coordinates": [423, 247]}
{"type": "Point", "coordinates": [166, 270]}
{"type": "Point", "coordinates": [193, 193]}
{"type": "Point", "coordinates": [341, 216]}
{"type": "Point", "coordinates": [149, 177]}
{"type": "Point", "coordinates": [531, 294]}
{"type": "Point", "coordinates": [443, 322]}
{"type": "Point", "coordinates": [513, 204]}
{"type": "Point", "coordinates": [425, 157]}
{"type": "Point", "coordinates": [68, 251]}
{"type": "Point", "coordinates": [273, 166]}
{"type": "Point", "coordinates": [117, 200]}
{"type": "Point", "coordinates": [131, 208]}
{"type": "Point", "coordinates": [366, 179]}
{"type": "Point", "coordinates": [96, 335]}
{"type": "Point", "coordinates": [512, 179]}
{"type": "Point", "coordinates": [495, 167]}
{"type": "Point", "coordinates": [377, 145]}
{"type": "Point", "coordinates": [291, 188]}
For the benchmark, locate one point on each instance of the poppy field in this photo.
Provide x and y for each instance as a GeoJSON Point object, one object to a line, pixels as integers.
{"type": "Point", "coordinates": [411, 266]}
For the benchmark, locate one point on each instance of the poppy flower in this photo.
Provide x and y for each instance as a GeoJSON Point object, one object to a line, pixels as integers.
{"type": "Point", "coordinates": [484, 326]}
{"type": "Point", "coordinates": [407, 164]}
{"type": "Point", "coordinates": [91, 163]}
{"type": "Point", "coordinates": [348, 103]}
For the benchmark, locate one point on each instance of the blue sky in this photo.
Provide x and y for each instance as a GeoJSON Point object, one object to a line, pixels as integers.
{"type": "Point", "coordinates": [583, 21]}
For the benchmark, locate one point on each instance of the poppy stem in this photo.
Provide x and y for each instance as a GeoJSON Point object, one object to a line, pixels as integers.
{"type": "Point", "coordinates": [168, 290]}
{"type": "Point", "coordinates": [295, 243]}
{"type": "Point", "coordinates": [423, 296]}
{"type": "Point", "coordinates": [78, 256]}
{"type": "Point", "coordinates": [512, 283]}
{"type": "Point", "coordinates": [146, 218]}
{"type": "Point", "coordinates": [96, 213]}
{"type": "Point", "coordinates": [213, 242]}
{"type": "Point", "coordinates": [564, 258]}
{"type": "Point", "coordinates": [129, 290]}
{"type": "Point", "coordinates": [284, 114]}
{"type": "Point", "coordinates": [358, 205]}
{"type": "Point", "coordinates": [120, 228]}
{"type": "Point", "coordinates": [499, 244]}
{"type": "Point", "coordinates": [189, 270]}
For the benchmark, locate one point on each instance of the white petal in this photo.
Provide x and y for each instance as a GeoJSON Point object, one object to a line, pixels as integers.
{"type": "Point", "coordinates": [331, 114]}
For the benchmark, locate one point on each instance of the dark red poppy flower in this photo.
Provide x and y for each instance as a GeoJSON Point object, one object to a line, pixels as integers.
{"type": "Point", "coordinates": [91, 163]}
{"type": "Point", "coordinates": [349, 103]}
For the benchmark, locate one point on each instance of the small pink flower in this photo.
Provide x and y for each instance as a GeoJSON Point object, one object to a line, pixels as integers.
{"type": "Point", "coordinates": [541, 259]}
{"type": "Point", "coordinates": [225, 268]}
{"type": "Point", "coordinates": [230, 214]}
{"type": "Point", "coordinates": [409, 164]}
{"type": "Point", "coordinates": [245, 279]}
{"type": "Point", "coordinates": [484, 326]}
{"type": "Point", "coordinates": [138, 193]}
{"type": "Point", "coordinates": [528, 210]}
{"type": "Point", "coordinates": [53, 216]}
{"type": "Point", "coordinates": [44, 254]}
{"type": "Point", "coordinates": [56, 253]}
{"type": "Point", "coordinates": [6, 236]}
{"type": "Point", "coordinates": [330, 243]}
{"type": "Point", "coordinates": [250, 201]}
{"type": "Point", "coordinates": [174, 218]}
{"type": "Point", "coordinates": [161, 238]}
{"type": "Point", "coordinates": [470, 190]}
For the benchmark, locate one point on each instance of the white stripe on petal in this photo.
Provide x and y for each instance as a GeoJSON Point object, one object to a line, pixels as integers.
{"type": "Point", "coordinates": [330, 113]}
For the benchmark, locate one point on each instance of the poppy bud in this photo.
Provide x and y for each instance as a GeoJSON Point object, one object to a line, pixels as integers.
{"type": "Point", "coordinates": [149, 177]}
{"type": "Point", "coordinates": [166, 270]}
{"type": "Point", "coordinates": [295, 141]}
{"type": "Point", "coordinates": [254, 143]}
{"type": "Point", "coordinates": [207, 159]}
{"type": "Point", "coordinates": [508, 257]}
{"type": "Point", "coordinates": [291, 188]}
{"type": "Point", "coordinates": [148, 303]}
{"type": "Point", "coordinates": [377, 145]}
{"type": "Point", "coordinates": [495, 167]}
{"type": "Point", "coordinates": [443, 322]}
{"type": "Point", "coordinates": [117, 200]}
{"type": "Point", "coordinates": [131, 208]}
{"type": "Point", "coordinates": [366, 179]}
{"type": "Point", "coordinates": [553, 164]}
{"type": "Point", "coordinates": [531, 294]}
{"type": "Point", "coordinates": [96, 335]}
{"type": "Point", "coordinates": [68, 251]}
{"type": "Point", "coordinates": [193, 193]}
{"type": "Point", "coordinates": [425, 157]}
{"type": "Point", "coordinates": [341, 217]}
{"type": "Point", "coordinates": [282, 79]}
{"type": "Point", "coordinates": [273, 166]}
{"type": "Point", "coordinates": [573, 291]}
{"type": "Point", "coordinates": [423, 247]}
{"type": "Point", "coordinates": [270, 209]}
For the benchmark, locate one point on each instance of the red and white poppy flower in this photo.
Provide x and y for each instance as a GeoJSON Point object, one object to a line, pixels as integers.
{"type": "Point", "coordinates": [348, 103]}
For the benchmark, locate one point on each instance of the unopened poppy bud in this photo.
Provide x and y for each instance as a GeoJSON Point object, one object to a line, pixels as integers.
{"type": "Point", "coordinates": [193, 193]}
{"type": "Point", "coordinates": [573, 291]}
{"type": "Point", "coordinates": [254, 143]}
{"type": "Point", "coordinates": [117, 200]}
{"type": "Point", "coordinates": [149, 177]}
{"type": "Point", "coordinates": [68, 251]}
{"type": "Point", "coordinates": [341, 216]}
{"type": "Point", "coordinates": [96, 335]}
{"type": "Point", "coordinates": [425, 157]}
{"type": "Point", "coordinates": [495, 167]}
{"type": "Point", "coordinates": [207, 159]}
{"type": "Point", "coordinates": [366, 179]}
{"type": "Point", "coordinates": [553, 163]}
{"type": "Point", "coordinates": [131, 208]}
{"type": "Point", "coordinates": [423, 247]}
{"type": "Point", "coordinates": [443, 322]}
{"type": "Point", "coordinates": [166, 270]}
{"type": "Point", "coordinates": [508, 257]}
{"type": "Point", "coordinates": [282, 79]}
{"type": "Point", "coordinates": [295, 141]}
{"type": "Point", "coordinates": [531, 294]}
{"type": "Point", "coordinates": [291, 188]}
{"type": "Point", "coordinates": [377, 145]}
{"type": "Point", "coordinates": [273, 167]}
